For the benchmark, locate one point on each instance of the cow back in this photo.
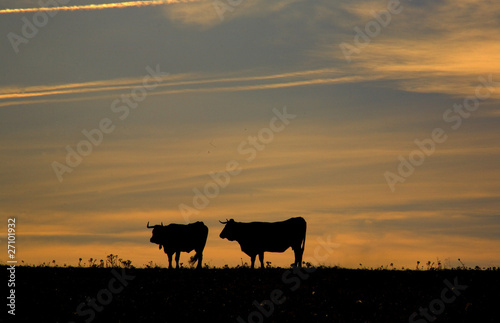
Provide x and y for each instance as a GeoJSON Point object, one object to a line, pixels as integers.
{"type": "Point", "coordinates": [184, 237]}
{"type": "Point", "coordinates": [271, 236]}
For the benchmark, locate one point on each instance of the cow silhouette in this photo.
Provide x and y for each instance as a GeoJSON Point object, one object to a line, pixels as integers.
{"type": "Point", "coordinates": [257, 237]}
{"type": "Point", "coordinates": [175, 238]}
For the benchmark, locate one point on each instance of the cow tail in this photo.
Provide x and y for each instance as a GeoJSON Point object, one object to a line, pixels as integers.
{"type": "Point", "coordinates": [193, 259]}
{"type": "Point", "coordinates": [304, 240]}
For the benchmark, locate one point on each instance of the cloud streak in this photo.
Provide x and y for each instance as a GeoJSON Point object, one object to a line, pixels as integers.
{"type": "Point", "coordinates": [101, 6]}
{"type": "Point", "coordinates": [175, 84]}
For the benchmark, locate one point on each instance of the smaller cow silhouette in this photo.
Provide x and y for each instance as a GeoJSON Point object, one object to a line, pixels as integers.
{"type": "Point", "coordinates": [175, 238]}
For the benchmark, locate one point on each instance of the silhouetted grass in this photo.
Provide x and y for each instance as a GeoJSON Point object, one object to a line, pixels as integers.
{"type": "Point", "coordinates": [113, 261]}
{"type": "Point", "coordinates": [53, 293]}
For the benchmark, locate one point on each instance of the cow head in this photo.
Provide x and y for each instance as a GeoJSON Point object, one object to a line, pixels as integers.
{"type": "Point", "coordinates": [156, 238]}
{"type": "Point", "coordinates": [229, 231]}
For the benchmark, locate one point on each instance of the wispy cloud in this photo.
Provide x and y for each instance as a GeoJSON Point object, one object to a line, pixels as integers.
{"type": "Point", "coordinates": [204, 14]}
{"type": "Point", "coordinates": [427, 48]}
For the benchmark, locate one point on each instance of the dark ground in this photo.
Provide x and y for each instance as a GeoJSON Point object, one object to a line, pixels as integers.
{"type": "Point", "coordinates": [48, 294]}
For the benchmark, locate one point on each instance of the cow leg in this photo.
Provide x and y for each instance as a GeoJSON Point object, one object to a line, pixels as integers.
{"type": "Point", "coordinates": [261, 258]}
{"type": "Point", "coordinates": [169, 255]}
{"type": "Point", "coordinates": [177, 256]}
{"type": "Point", "coordinates": [200, 258]}
{"type": "Point", "coordinates": [252, 260]}
{"type": "Point", "coordinates": [298, 256]}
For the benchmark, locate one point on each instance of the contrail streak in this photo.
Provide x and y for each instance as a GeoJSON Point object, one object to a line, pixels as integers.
{"type": "Point", "coordinates": [175, 84]}
{"type": "Point", "coordinates": [98, 6]}
{"type": "Point", "coordinates": [126, 83]}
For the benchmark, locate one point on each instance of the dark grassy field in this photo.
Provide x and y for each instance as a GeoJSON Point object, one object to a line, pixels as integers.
{"type": "Point", "coordinates": [51, 294]}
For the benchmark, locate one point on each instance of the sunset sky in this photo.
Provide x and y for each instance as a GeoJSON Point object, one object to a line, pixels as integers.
{"type": "Point", "coordinates": [376, 121]}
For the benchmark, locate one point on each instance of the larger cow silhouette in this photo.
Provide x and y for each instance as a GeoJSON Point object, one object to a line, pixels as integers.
{"type": "Point", "coordinates": [257, 237]}
{"type": "Point", "coordinates": [175, 238]}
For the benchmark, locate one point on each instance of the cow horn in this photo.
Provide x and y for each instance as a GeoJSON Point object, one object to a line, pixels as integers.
{"type": "Point", "coordinates": [149, 227]}
{"type": "Point", "coordinates": [162, 224]}
{"type": "Point", "coordinates": [222, 222]}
